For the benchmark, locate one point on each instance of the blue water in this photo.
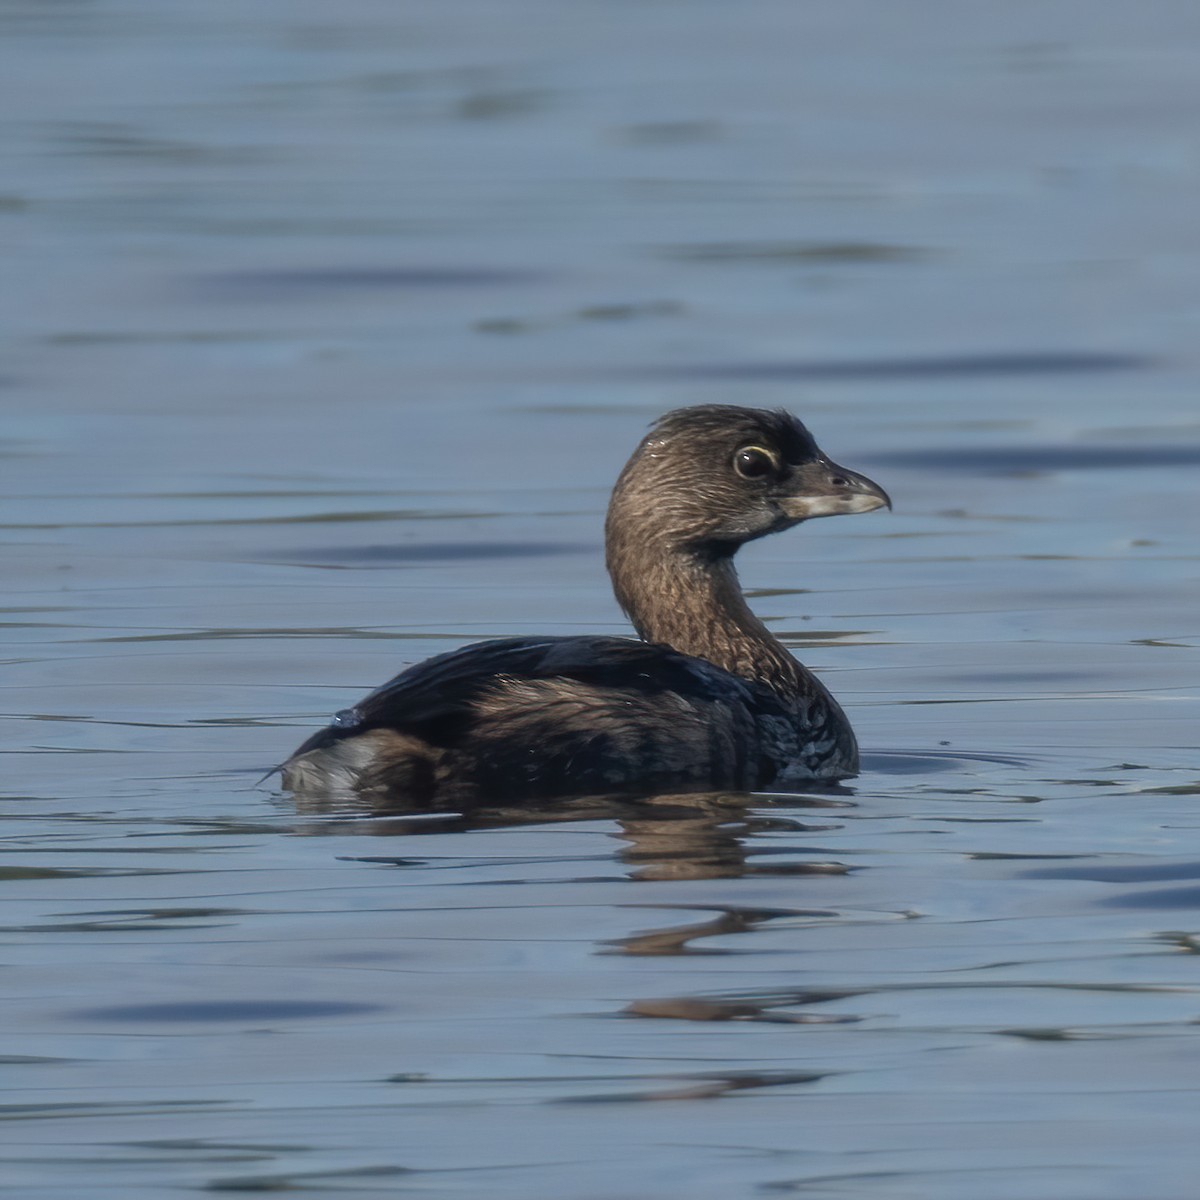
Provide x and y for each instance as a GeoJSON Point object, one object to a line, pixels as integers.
{"type": "Point", "coordinates": [326, 331]}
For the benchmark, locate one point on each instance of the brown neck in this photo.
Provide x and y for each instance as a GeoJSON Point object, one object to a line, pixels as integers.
{"type": "Point", "coordinates": [692, 602]}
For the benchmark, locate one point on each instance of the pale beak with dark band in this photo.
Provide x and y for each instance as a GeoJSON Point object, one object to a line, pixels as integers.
{"type": "Point", "coordinates": [823, 489]}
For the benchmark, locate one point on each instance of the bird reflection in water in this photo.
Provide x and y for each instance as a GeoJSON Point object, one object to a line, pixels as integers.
{"type": "Point", "coordinates": [667, 837]}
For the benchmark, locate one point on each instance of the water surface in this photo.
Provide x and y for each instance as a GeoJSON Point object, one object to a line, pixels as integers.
{"type": "Point", "coordinates": [326, 335]}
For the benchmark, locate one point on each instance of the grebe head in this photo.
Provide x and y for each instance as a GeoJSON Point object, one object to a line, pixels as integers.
{"type": "Point", "coordinates": [709, 478]}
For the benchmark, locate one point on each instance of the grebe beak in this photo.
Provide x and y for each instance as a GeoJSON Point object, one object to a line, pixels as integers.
{"type": "Point", "coordinates": [823, 489]}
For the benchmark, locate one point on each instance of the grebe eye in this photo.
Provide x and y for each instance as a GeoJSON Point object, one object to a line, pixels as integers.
{"type": "Point", "coordinates": [753, 462]}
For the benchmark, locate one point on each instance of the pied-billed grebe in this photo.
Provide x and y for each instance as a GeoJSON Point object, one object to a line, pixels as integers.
{"type": "Point", "coordinates": [707, 700]}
